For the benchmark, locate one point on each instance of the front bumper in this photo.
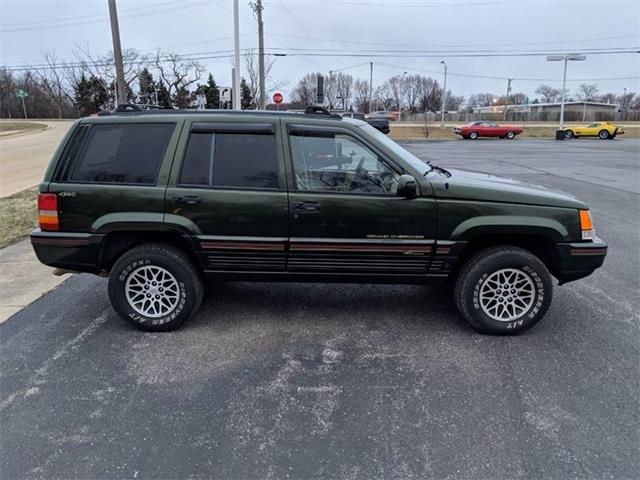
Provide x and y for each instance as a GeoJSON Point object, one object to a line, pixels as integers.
{"type": "Point", "coordinates": [70, 251]}
{"type": "Point", "coordinates": [579, 259]}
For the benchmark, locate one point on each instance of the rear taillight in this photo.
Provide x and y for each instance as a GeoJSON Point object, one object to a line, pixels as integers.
{"type": "Point", "coordinates": [48, 211]}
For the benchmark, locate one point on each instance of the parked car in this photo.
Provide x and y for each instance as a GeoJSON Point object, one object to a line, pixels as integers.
{"type": "Point", "coordinates": [161, 201]}
{"type": "Point", "coordinates": [602, 130]}
{"type": "Point", "coordinates": [391, 116]}
{"type": "Point", "coordinates": [475, 130]}
{"type": "Point", "coordinates": [381, 124]}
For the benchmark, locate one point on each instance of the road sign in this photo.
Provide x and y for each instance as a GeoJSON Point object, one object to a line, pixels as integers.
{"type": "Point", "coordinates": [225, 94]}
{"type": "Point", "coordinates": [277, 98]}
{"type": "Point", "coordinates": [21, 94]}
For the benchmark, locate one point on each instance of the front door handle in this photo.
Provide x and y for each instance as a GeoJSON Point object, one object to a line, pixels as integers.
{"type": "Point", "coordinates": [306, 205]}
{"type": "Point", "coordinates": [188, 199]}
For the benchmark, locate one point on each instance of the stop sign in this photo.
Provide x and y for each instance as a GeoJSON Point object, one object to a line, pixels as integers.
{"type": "Point", "coordinates": [277, 98]}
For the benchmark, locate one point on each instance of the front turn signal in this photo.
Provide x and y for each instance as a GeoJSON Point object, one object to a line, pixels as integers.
{"type": "Point", "coordinates": [586, 225]}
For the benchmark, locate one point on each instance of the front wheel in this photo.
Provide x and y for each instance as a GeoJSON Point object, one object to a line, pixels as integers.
{"type": "Point", "coordinates": [603, 135]}
{"type": "Point", "coordinates": [155, 287]}
{"type": "Point", "coordinates": [503, 291]}
{"type": "Point", "coordinates": [511, 135]}
{"type": "Point", "coordinates": [473, 135]}
{"type": "Point", "coordinates": [568, 134]}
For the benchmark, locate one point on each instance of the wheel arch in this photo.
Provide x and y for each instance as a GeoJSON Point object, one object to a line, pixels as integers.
{"type": "Point", "coordinates": [539, 244]}
{"type": "Point", "coordinates": [117, 243]}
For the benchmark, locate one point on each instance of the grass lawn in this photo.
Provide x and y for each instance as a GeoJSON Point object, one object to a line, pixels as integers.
{"type": "Point", "coordinates": [18, 216]}
{"type": "Point", "coordinates": [11, 126]}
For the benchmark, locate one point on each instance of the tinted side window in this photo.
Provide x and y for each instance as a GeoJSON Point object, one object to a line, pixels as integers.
{"type": "Point", "coordinates": [122, 153]}
{"type": "Point", "coordinates": [244, 160]}
{"type": "Point", "coordinates": [339, 163]}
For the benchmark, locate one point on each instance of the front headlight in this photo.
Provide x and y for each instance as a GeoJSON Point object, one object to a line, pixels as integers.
{"type": "Point", "coordinates": [586, 225]}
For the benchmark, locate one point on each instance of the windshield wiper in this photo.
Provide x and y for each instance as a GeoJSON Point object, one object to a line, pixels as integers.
{"type": "Point", "coordinates": [437, 168]}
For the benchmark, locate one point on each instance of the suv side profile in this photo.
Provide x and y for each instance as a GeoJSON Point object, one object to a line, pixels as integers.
{"type": "Point", "coordinates": [161, 201]}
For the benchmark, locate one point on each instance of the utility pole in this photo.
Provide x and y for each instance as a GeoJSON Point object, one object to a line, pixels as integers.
{"type": "Point", "coordinates": [236, 45]}
{"type": "Point", "coordinates": [444, 93]}
{"type": "Point", "coordinates": [121, 92]}
{"type": "Point", "coordinates": [370, 86]}
{"type": "Point", "coordinates": [262, 96]}
{"type": "Point", "coordinates": [506, 97]}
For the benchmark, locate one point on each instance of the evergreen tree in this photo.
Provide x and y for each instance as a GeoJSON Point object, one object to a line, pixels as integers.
{"type": "Point", "coordinates": [182, 98]}
{"type": "Point", "coordinates": [163, 95]}
{"type": "Point", "coordinates": [90, 95]}
{"type": "Point", "coordinates": [247, 102]}
{"type": "Point", "coordinates": [210, 91]}
{"type": "Point", "coordinates": [146, 90]}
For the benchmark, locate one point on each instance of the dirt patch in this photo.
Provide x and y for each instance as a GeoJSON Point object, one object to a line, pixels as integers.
{"type": "Point", "coordinates": [18, 216]}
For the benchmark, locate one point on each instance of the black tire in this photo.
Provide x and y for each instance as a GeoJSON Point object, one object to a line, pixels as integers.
{"type": "Point", "coordinates": [185, 289]}
{"type": "Point", "coordinates": [473, 135]}
{"type": "Point", "coordinates": [568, 134]}
{"type": "Point", "coordinates": [511, 135]}
{"type": "Point", "coordinates": [603, 134]}
{"type": "Point", "coordinates": [473, 277]}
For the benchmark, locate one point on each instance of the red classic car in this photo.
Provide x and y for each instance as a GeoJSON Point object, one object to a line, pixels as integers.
{"type": "Point", "coordinates": [474, 130]}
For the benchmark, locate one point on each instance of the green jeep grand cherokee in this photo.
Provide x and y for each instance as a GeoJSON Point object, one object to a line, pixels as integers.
{"type": "Point", "coordinates": [160, 201]}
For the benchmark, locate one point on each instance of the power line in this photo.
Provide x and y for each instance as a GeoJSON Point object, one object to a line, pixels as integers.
{"type": "Point", "coordinates": [51, 25]}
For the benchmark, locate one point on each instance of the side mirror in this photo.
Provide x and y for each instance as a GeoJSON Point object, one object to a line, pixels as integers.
{"type": "Point", "coordinates": [407, 186]}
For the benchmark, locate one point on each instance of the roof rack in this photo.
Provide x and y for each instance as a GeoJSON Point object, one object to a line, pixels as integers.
{"type": "Point", "coordinates": [132, 109]}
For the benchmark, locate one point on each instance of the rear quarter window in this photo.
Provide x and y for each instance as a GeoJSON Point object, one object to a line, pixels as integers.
{"type": "Point", "coordinates": [120, 153]}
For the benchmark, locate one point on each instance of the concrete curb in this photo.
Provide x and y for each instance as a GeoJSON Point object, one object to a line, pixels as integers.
{"type": "Point", "coordinates": [23, 279]}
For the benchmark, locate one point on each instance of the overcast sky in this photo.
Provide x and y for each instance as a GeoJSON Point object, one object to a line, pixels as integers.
{"type": "Point", "coordinates": [29, 27]}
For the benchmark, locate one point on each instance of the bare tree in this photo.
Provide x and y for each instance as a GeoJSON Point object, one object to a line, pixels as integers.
{"type": "Point", "coordinates": [305, 90]}
{"type": "Point", "coordinates": [626, 100]}
{"type": "Point", "coordinates": [454, 101]}
{"type": "Point", "coordinates": [587, 92]}
{"type": "Point", "coordinates": [176, 72]}
{"type": "Point", "coordinates": [430, 96]}
{"type": "Point", "coordinates": [413, 87]}
{"type": "Point", "coordinates": [481, 99]}
{"type": "Point", "coordinates": [54, 83]}
{"type": "Point", "coordinates": [361, 95]}
{"type": "Point", "coordinates": [343, 88]}
{"type": "Point", "coordinates": [607, 98]}
{"type": "Point", "coordinates": [548, 93]}
{"type": "Point", "coordinates": [253, 75]}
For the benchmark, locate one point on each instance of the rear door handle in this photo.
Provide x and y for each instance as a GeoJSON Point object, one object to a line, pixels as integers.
{"type": "Point", "coordinates": [188, 199]}
{"type": "Point", "coordinates": [306, 205]}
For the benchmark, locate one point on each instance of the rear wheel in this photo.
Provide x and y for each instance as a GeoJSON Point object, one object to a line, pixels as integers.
{"type": "Point", "coordinates": [603, 135]}
{"type": "Point", "coordinates": [155, 287]}
{"type": "Point", "coordinates": [511, 135]}
{"type": "Point", "coordinates": [473, 135]}
{"type": "Point", "coordinates": [568, 134]}
{"type": "Point", "coordinates": [503, 290]}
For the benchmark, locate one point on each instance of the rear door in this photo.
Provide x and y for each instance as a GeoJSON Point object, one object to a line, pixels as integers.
{"type": "Point", "coordinates": [227, 190]}
{"type": "Point", "coordinates": [345, 215]}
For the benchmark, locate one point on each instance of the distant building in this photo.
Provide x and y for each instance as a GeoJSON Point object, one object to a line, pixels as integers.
{"type": "Point", "coordinates": [573, 111]}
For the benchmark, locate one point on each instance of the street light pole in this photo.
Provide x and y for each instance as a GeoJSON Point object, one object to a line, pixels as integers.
{"type": "Point", "coordinates": [400, 96]}
{"type": "Point", "coordinates": [236, 46]}
{"type": "Point", "coordinates": [565, 58]}
{"type": "Point", "coordinates": [506, 97]}
{"type": "Point", "coordinates": [444, 93]}
{"type": "Point", "coordinates": [370, 86]}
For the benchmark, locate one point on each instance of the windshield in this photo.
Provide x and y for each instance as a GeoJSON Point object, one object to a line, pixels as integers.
{"type": "Point", "coordinates": [407, 156]}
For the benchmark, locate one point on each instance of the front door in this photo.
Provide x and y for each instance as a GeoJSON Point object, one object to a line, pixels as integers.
{"type": "Point", "coordinates": [229, 193]}
{"type": "Point", "coordinates": [345, 215]}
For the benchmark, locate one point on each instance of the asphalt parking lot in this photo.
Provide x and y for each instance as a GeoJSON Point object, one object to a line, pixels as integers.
{"type": "Point", "coordinates": [345, 381]}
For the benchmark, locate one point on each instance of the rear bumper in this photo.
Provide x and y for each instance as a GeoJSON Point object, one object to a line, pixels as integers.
{"type": "Point", "coordinates": [580, 259]}
{"type": "Point", "coordinates": [70, 251]}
